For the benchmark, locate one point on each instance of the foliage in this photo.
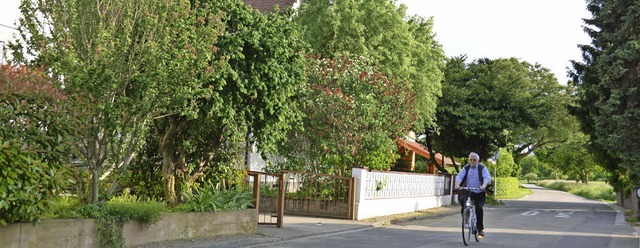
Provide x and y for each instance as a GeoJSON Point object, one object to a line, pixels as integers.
{"type": "Point", "coordinates": [531, 176]}
{"type": "Point", "coordinates": [103, 52]}
{"type": "Point", "coordinates": [402, 46]}
{"type": "Point", "coordinates": [128, 207]}
{"type": "Point", "coordinates": [488, 104]}
{"type": "Point", "coordinates": [572, 158]}
{"type": "Point", "coordinates": [595, 191]}
{"type": "Point", "coordinates": [255, 78]}
{"type": "Point", "coordinates": [27, 185]}
{"type": "Point", "coordinates": [353, 115]}
{"type": "Point", "coordinates": [381, 184]}
{"type": "Point", "coordinates": [554, 124]}
{"type": "Point", "coordinates": [144, 176]}
{"type": "Point", "coordinates": [506, 186]}
{"type": "Point", "coordinates": [607, 88]}
{"type": "Point", "coordinates": [505, 166]}
{"type": "Point", "coordinates": [213, 198]}
{"type": "Point", "coordinates": [517, 194]}
{"type": "Point", "coordinates": [36, 131]}
{"type": "Point", "coordinates": [111, 215]}
{"type": "Point", "coordinates": [421, 165]}
{"type": "Point", "coordinates": [531, 164]}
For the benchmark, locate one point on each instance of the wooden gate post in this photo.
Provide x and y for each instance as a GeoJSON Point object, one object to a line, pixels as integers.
{"type": "Point", "coordinates": [352, 198]}
{"type": "Point", "coordinates": [280, 210]}
{"type": "Point", "coordinates": [256, 191]}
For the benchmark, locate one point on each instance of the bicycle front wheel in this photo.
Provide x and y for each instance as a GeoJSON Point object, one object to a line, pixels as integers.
{"type": "Point", "coordinates": [466, 226]}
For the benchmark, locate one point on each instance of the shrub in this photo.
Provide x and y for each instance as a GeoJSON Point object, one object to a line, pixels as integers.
{"type": "Point", "coordinates": [506, 186]}
{"type": "Point", "coordinates": [593, 190]}
{"type": "Point", "coordinates": [128, 207]}
{"type": "Point", "coordinates": [27, 185]}
{"type": "Point", "coordinates": [531, 176]}
{"type": "Point", "coordinates": [214, 199]}
{"type": "Point", "coordinates": [36, 130]}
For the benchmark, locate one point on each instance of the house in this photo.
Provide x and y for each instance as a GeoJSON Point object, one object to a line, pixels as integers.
{"type": "Point", "coordinates": [265, 6]}
{"type": "Point", "coordinates": [408, 148]}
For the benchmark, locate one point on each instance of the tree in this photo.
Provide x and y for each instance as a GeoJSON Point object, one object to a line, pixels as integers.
{"type": "Point", "coordinates": [572, 158]}
{"type": "Point", "coordinates": [252, 88]}
{"type": "Point", "coordinates": [607, 88]}
{"type": "Point", "coordinates": [403, 47]}
{"type": "Point", "coordinates": [531, 164]}
{"type": "Point", "coordinates": [554, 122]}
{"type": "Point", "coordinates": [483, 105]}
{"type": "Point", "coordinates": [505, 166]}
{"type": "Point", "coordinates": [353, 115]}
{"type": "Point", "coordinates": [106, 51]}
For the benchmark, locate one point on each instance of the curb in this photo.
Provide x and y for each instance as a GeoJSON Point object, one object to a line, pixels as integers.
{"type": "Point", "coordinates": [242, 243]}
{"type": "Point", "coordinates": [258, 241]}
{"type": "Point", "coordinates": [620, 218]}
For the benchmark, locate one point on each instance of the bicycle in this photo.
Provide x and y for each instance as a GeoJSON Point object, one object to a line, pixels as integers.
{"type": "Point", "coordinates": [469, 218]}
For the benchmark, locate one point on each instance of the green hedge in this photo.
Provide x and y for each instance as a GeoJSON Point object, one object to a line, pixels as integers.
{"type": "Point", "coordinates": [27, 185]}
{"type": "Point", "coordinates": [506, 186]}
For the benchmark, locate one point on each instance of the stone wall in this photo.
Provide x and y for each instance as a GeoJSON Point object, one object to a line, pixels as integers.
{"type": "Point", "coordinates": [83, 233]}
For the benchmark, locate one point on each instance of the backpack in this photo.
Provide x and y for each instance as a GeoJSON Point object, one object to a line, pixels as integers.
{"type": "Point", "coordinates": [488, 189]}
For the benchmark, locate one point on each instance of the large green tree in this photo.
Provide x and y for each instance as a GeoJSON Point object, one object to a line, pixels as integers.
{"type": "Point", "coordinates": [488, 104]}
{"type": "Point", "coordinates": [554, 123]}
{"type": "Point", "coordinates": [607, 88]}
{"type": "Point", "coordinates": [252, 88]}
{"type": "Point", "coordinates": [102, 50]}
{"type": "Point", "coordinates": [402, 46]}
{"type": "Point", "coordinates": [353, 114]}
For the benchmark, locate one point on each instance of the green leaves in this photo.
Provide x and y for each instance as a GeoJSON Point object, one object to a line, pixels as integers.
{"type": "Point", "coordinates": [26, 185]}
{"type": "Point", "coordinates": [353, 115]}
{"type": "Point", "coordinates": [606, 84]}
{"type": "Point", "coordinates": [488, 104]}
{"type": "Point", "coordinates": [212, 198]}
{"type": "Point", "coordinates": [403, 47]}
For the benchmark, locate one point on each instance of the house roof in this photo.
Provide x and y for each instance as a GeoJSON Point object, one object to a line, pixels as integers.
{"type": "Point", "coordinates": [420, 150]}
{"type": "Point", "coordinates": [267, 5]}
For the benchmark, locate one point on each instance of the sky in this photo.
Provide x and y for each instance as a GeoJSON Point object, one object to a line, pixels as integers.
{"type": "Point", "coordinates": [546, 32]}
{"type": "Point", "coordinates": [8, 15]}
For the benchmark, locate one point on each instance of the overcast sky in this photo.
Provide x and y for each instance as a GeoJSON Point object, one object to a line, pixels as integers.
{"type": "Point", "coordinates": [537, 31]}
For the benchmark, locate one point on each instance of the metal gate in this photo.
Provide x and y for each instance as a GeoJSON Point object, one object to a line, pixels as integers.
{"type": "Point", "coordinates": [269, 197]}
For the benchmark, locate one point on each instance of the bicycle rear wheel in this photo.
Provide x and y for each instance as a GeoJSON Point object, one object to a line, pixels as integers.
{"type": "Point", "coordinates": [466, 226]}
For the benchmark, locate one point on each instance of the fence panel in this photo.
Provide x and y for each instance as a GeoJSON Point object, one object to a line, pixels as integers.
{"type": "Point", "coordinates": [392, 185]}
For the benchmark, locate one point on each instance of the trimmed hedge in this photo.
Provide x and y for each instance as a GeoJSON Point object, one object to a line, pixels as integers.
{"type": "Point", "coordinates": [506, 186]}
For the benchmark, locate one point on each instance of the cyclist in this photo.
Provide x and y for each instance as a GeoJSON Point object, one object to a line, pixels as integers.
{"type": "Point", "coordinates": [474, 174]}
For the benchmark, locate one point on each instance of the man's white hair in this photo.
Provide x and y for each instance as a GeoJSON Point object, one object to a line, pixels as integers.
{"type": "Point", "coordinates": [473, 154]}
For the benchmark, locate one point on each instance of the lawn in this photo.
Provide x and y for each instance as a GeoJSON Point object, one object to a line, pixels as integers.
{"type": "Point", "coordinates": [596, 190]}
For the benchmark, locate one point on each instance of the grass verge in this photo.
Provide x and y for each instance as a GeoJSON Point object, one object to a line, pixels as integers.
{"type": "Point", "coordinates": [600, 191]}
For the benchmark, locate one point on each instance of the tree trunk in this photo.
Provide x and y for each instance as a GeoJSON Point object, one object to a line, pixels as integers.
{"type": "Point", "coordinates": [95, 182]}
{"type": "Point", "coordinates": [433, 154]}
{"type": "Point", "coordinates": [168, 151]}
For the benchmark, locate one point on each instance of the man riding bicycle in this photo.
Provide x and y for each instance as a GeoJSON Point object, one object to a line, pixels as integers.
{"type": "Point", "coordinates": [474, 174]}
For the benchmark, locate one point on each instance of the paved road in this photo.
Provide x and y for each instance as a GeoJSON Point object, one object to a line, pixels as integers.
{"type": "Point", "coordinates": [547, 218]}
